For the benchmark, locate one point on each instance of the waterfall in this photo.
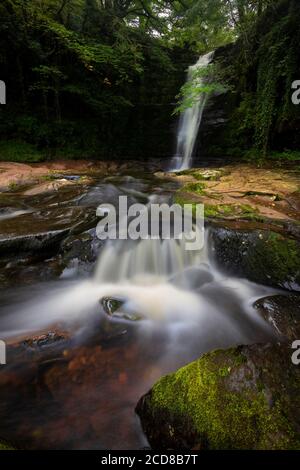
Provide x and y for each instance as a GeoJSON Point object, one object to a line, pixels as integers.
{"type": "Point", "coordinates": [157, 259]}
{"type": "Point", "coordinates": [190, 121]}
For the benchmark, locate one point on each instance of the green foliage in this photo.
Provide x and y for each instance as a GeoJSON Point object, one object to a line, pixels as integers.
{"type": "Point", "coordinates": [107, 65]}
{"type": "Point", "coordinates": [255, 156]}
{"type": "Point", "coordinates": [6, 446]}
{"type": "Point", "coordinates": [275, 70]}
{"type": "Point", "coordinates": [18, 151]}
{"type": "Point", "coordinates": [205, 80]}
{"type": "Point", "coordinates": [265, 62]}
{"type": "Point", "coordinates": [288, 155]}
{"type": "Point", "coordinates": [76, 69]}
{"type": "Point", "coordinates": [203, 24]}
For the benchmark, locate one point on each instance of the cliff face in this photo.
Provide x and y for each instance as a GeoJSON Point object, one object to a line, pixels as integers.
{"type": "Point", "coordinates": [148, 129]}
{"type": "Point", "coordinates": [258, 114]}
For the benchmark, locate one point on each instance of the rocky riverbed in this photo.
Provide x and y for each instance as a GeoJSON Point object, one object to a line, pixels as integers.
{"type": "Point", "coordinates": [242, 397]}
{"type": "Point", "coordinates": [247, 397]}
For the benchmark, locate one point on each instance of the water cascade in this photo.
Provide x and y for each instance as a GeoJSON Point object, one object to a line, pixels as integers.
{"type": "Point", "coordinates": [150, 307]}
{"type": "Point", "coordinates": [190, 121]}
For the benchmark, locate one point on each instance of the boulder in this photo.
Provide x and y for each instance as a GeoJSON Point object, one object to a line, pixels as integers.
{"type": "Point", "coordinates": [261, 256]}
{"type": "Point", "coordinates": [242, 398]}
{"type": "Point", "coordinates": [283, 313]}
{"type": "Point", "coordinates": [115, 307]}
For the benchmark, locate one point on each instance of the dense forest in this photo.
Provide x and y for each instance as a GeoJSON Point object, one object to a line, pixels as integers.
{"type": "Point", "coordinates": [101, 78]}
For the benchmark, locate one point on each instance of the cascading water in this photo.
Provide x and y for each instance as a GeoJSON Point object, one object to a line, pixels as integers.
{"type": "Point", "coordinates": [129, 261]}
{"type": "Point", "coordinates": [190, 121]}
{"type": "Point", "coordinates": [156, 278]}
{"type": "Point", "coordinates": [174, 305]}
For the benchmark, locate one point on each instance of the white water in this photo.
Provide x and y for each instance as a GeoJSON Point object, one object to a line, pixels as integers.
{"type": "Point", "coordinates": [174, 292]}
{"type": "Point", "coordinates": [190, 121]}
{"type": "Point", "coordinates": [131, 261]}
{"type": "Point", "coordinates": [174, 306]}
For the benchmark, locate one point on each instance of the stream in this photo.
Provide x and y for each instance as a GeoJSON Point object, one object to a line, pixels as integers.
{"type": "Point", "coordinates": [84, 347]}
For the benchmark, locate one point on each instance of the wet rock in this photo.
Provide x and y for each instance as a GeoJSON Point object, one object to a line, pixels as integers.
{"type": "Point", "coordinates": [80, 247]}
{"type": "Point", "coordinates": [44, 340]}
{"type": "Point", "coordinates": [88, 221]}
{"type": "Point", "coordinates": [261, 256]}
{"type": "Point", "coordinates": [79, 253]}
{"type": "Point", "coordinates": [115, 308]}
{"type": "Point", "coordinates": [29, 270]}
{"type": "Point", "coordinates": [106, 194]}
{"type": "Point", "coordinates": [43, 230]}
{"type": "Point", "coordinates": [202, 174]}
{"type": "Point", "coordinates": [47, 187]}
{"type": "Point", "coordinates": [67, 177]}
{"type": "Point", "coordinates": [111, 305]}
{"type": "Point", "coordinates": [283, 313]}
{"type": "Point", "coordinates": [102, 193]}
{"type": "Point", "coordinates": [32, 242]}
{"type": "Point", "coordinates": [241, 398]}
{"type": "Point", "coordinates": [12, 212]}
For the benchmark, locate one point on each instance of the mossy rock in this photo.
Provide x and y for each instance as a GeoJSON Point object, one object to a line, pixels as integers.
{"type": "Point", "coordinates": [190, 193]}
{"type": "Point", "coordinates": [242, 398]}
{"type": "Point", "coordinates": [261, 256]}
{"type": "Point", "coordinates": [203, 174]}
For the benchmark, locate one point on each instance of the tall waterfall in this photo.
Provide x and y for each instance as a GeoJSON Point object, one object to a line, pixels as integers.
{"type": "Point", "coordinates": [190, 121]}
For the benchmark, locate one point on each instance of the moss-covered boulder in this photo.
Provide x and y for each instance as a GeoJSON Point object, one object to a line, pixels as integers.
{"type": "Point", "coordinates": [242, 398]}
{"type": "Point", "coordinates": [261, 256]}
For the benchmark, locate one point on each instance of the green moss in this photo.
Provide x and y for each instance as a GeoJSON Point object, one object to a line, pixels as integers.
{"type": "Point", "coordinates": [282, 256]}
{"type": "Point", "coordinates": [277, 257]}
{"type": "Point", "coordinates": [227, 209]}
{"type": "Point", "coordinates": [185, 172]}
{"type": "Point", "coordinates": [183, 198]}
{"type": "Point", "coordinates": [242, 211]}
{"type": "Point", "coordinates": [220, 210]}
{"type": "Point", "coordinates": [264, 257]}
{"type": "Point", "coordinates": [211, 211]}
{"type": "Point", "coordinates": [250, 213]}
{"type": "Point", "coordinates": [226, 404]}
{"type": "Point", "coordinates": [197, 188]}
{"type": "Point", "coordinates": [13, 186]}
{"type": "Point", "coordinates": [49, 177]}
{"type": "Point", "coordinates": [230, 210]}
